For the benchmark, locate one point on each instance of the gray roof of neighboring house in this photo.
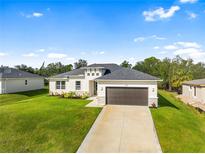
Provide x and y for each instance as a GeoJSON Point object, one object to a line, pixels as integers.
{"type": "Point", "coordinates": [127, 74]}
{"type": "Point", "coordinates": [199, 82]}
{"type": "Point", "coordinates": [6, 72]}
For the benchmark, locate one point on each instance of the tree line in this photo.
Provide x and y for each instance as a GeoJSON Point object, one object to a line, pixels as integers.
{"type": "Point", "coordinates": [173, 72]}
{"type": "Point", "coordinates": [52, 68]}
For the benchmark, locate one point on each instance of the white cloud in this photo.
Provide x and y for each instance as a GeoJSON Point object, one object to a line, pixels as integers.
{"type": "Point", "coordinates": [56, 55]}
{"type": "Point", "coordinates": [162, 52]}
{"type": "Point", "coordinates": [30, 55]}
{"type": "Point", "coordinates": [34, 14]}
{"type": "Point", "coordinates": [102, 53]}
{"type": "Point", "coordinates": [160, 13]}
{"type": "Point", "coordinates": [37, 14]}
{"type": "Point", "coordinates": [156, 47]}
{"type": "Point", "coordinates": [2, 54]}
{"type": "Point", "coordinates": [192, 15]}
{"type": "Point", "coordinates": [190, 52]}
{"type": "Point", "coordinates": [70, 58]}
{"type": "Point", "coordinates": [155, 37]}
{"type": "Point", "coordinates": [83, 53]}
{"type": "Point", "coordinates": [188, 44]}
{"type": "Point", "coordinates": [188, 1]}
{"type": "Point", "coordinates": [41, 50]}
{"type": "Point", "coordinates": [187, 50]}
{"type": "Point", "coordinates": [182, 45]}
{"type": "Point", "coordinates": [170, 47]}
{"type": "Point", "coordinates": [131, 59]}
{"type": "Point", "coordinates": [139, 39]}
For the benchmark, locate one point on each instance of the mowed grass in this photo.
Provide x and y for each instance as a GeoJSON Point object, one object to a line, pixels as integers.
{"type": "Point", "coordinates": [180, 128]}
{"type": "Point", "coordinates": [13, 98]}
{"type": "Point", "coordinates": [41, 123]}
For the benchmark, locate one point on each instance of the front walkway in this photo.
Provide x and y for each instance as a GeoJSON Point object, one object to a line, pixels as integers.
{"type": "Point", "coordinates": [122, 129]}
{"type": "Point", "coordinates": [94, 102]}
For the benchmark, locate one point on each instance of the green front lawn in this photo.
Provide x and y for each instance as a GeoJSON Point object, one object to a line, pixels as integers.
{"type": "Point", "coordinates": [36, 122]}
{"type": "Point", "coordinates": [180, 128]}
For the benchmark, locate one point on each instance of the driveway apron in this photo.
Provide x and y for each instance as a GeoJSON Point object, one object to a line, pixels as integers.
{"type": "Point", "coordinates": [123, 129]}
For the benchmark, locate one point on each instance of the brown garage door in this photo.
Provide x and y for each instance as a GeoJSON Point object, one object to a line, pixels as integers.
{"type": "Point", "coordinates": [127, 96]}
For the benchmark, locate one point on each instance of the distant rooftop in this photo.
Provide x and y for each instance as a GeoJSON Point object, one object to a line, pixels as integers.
{"type": "Point", "coordinates": [6, 72]}
{"type": "Point", "coordinates": [199, 82]}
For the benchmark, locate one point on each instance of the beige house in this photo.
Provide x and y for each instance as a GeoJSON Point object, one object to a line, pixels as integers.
{"type": "Point", "coordinates": [194, 91]}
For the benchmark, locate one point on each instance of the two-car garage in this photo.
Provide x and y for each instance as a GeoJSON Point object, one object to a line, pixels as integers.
{"type": "Point", "coordinates": [127, 96]}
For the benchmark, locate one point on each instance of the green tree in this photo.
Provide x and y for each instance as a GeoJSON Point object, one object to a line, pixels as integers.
{"type": "Point", "coordinates": [149, 65]}
{"type": "Point", "coordinates": [25, 68]}
{"type": "Point", "coordinates": [126, 64]}
{"type": "Point", "coordinates": [80, 63]}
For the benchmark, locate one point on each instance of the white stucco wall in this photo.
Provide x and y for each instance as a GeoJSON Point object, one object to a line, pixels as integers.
{"type": "Point", "coordinates": [188, 92]}
{"type": "Point", "coordinates": [86, 84]}
{"type": "Point", "coordinates": [18, 84]}
{"type": "Point", "coordinates": [69, 86]}
{"type": "Point", "coordinates": [151, 85]}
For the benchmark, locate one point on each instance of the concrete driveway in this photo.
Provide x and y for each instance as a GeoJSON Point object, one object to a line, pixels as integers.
{"type": "Point", "coordinates": [122, 129]}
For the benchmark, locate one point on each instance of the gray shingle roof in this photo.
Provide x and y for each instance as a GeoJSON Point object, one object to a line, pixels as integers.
{"type": "Point", "coordinates": [199, 82]}
{"type": "Point", "coordinates": [6, 72]}
{"type": "Point", "coordinates": [70, 73]}
{"type": "Point", "coordinates": [108, 67]}
{"type": "Point", "coordinates": [111, 67]}
{"type": "Point", "coordinates": [127, 74]}
{"type": "Point", "coordinates": [112, 72]}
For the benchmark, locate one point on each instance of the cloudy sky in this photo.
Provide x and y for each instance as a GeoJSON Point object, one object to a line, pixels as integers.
{"type": "Point", "coordinates": [100, 31]}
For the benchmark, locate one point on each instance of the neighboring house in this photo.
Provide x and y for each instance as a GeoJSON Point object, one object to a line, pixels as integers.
{"type": "Point", "coordinates": [13, 80]}
{"type": "Point", "coordinates": [111, 83]}
{"type": "Point", "coordinates": [194, 90]}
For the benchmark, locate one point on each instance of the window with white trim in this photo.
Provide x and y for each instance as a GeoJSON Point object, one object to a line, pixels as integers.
{"type": "Point", "coordinates": [60, 84]}
{"type": "Point", "coordinates": [77, 85]}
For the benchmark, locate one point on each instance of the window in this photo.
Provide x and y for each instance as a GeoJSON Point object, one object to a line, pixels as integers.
{"type": "Point", "coordinates": [97, 74]}
{"type": "Point", "coordinates": [194, 91]}
{"type": "Point", "coordinates": [60, 84]}
{"type": "Point", "coordinates": [88, 74]}
{"type": "Point", "coordinates": [93, 74]}
{"type": "Point", "coordinates": [26, 82]}
{"type": "Point", "coordinates": [77, 85]}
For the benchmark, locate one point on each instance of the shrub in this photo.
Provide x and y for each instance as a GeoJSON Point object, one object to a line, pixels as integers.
{"type": "Point", "coordinates": [69, 95]}
{"type": "Point", "coordinates": [85, 95]}
{"type": "Point", "coordinates": [154, 105]}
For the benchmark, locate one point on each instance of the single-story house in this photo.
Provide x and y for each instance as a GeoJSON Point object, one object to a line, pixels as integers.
{"type": "Point", "coordinates": [14, 80]}
{"type": "Point", "coordinates": [194, 90]}
{"type": "Point", "coordinates": [110, 83]}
